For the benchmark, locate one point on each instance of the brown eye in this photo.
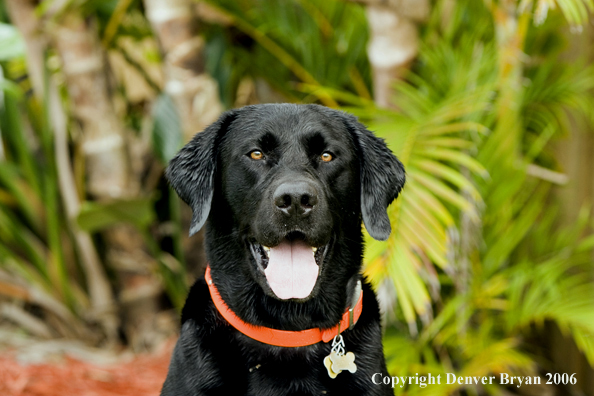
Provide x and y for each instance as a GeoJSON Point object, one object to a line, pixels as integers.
{"type": "Point", "coordinates": [256, 155]}
{"type": "Point", "coordinates": [326, 157]}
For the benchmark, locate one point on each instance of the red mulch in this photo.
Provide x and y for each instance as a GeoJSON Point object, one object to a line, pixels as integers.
{"type": "Point", "coordinates": [141, 376]}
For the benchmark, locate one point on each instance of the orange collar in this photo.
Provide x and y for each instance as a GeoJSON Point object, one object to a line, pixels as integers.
{"type": "Point", "coordinates": [282, 338]}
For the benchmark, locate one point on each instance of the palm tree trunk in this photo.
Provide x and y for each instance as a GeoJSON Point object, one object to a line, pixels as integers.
{"type": "Point", "coordinates": [103, 140]}
{"type": "Point", "coordinates": [393, 42]}
{"type": "Point", "coordinates": [107, 150]}
{"type": "Point", "coordinates": [194, 92]}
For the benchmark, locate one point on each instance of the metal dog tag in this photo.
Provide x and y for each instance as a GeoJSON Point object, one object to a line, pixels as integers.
{"type": "Point", "coordinates": [338, 361]}
{"type": "Point", "coordinates": [328, 364]}
{"type": "Point", "coordinates": [343, 362]}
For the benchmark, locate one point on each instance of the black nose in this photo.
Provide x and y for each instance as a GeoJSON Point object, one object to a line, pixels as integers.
{"type": "Point", "coordinates": [295, 198]}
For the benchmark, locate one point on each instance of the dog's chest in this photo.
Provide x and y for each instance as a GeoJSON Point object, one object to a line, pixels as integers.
{"type": "Point", "coordinates": [290, 371]}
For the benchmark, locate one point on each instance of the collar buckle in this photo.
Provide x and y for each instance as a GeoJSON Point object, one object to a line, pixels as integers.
{"type": "Point", "coordinates": [354, 301]}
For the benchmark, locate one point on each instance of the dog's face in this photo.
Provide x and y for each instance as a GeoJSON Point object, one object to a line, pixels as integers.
{"type": "Point", "coordinates": [290, 183]}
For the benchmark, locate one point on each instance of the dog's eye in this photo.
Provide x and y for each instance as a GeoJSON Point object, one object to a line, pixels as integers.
{"type": "Point", "coordinates": [326, 157]}
{"type": "Point", "coordinates": [256, 155]}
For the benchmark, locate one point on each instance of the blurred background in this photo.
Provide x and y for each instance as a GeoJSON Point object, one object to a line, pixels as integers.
{"type": "Point", "coordinates": [489, 104]}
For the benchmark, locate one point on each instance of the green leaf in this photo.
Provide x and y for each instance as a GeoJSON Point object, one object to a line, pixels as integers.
{"type": "Point", "coordinates": [458, 157]}
{"type": "Point", "coordinates": [12, 44]}
{"type": "Point", "coordinates": [440, 189]}
{"type": "Point", "coordinates": [416, 192]}
{"type": "Point", "coordinates": [167, 130]}
{"type": "Point", "coordinates": [437, 169]}
{"type": "Point", "coordinates": [95, 216]}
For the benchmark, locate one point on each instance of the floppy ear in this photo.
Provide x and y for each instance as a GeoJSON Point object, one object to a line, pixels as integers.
{"type": "Point", "coordinates": [191, 172]}
{"type": "Point", "coordinates": [382, 178]}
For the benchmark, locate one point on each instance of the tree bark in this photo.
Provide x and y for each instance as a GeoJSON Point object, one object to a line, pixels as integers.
{"type": "Point", "coordinates": [194, 92]}
{"type": "Point", "coordinates": [393, 42]}
{"type": "Point", "coordinates": [103, 140]}
{"type": "Point", "coordinates": [108, 155]}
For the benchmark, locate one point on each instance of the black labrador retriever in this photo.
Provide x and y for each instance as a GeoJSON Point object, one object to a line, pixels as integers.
{"type": "Point", "coordinates": [282, 312]}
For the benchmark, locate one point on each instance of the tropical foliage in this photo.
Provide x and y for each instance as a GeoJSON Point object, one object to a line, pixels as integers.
{"type": "Point", "coordinates": [489, 166]}
{"type": "Point", "coordinates": [477, 264]}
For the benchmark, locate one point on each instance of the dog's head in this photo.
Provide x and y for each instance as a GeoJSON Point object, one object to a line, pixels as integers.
{"type": "Point", "coordinates": [290, 183]}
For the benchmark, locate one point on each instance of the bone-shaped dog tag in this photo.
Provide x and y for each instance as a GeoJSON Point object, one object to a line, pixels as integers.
{"type": "Point", "coordinates": [328, 364]}
{"type": "Point", "coordinates": [343, 362]}
{"type": "Point", "coordinates": [338, 361]}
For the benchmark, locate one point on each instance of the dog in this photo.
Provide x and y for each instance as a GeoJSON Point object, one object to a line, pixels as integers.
{"type": "Point", "coordinates": [283, 309]}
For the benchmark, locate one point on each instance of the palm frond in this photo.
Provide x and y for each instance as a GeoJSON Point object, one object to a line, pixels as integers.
{"type": "Point", "coordinates": [433, 151]}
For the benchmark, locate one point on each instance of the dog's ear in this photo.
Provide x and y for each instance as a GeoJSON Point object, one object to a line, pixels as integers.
{"type": "Point", "coordinates": [382, 178]}
{"type": "Point", "coordinates": [192, 171]}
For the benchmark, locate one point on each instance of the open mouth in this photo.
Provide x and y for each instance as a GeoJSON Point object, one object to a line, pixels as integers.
{"type": "Point", "coordinates": [292, 267]}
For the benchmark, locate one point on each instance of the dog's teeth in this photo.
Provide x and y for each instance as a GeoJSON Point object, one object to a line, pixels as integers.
{"type": "Point", "coordinates": [266, 248]}
{"type": "Point", "coordinates": [314, 249]}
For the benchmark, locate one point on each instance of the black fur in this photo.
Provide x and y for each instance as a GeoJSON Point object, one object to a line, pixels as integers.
{"type": "Point", "coordinates": [382, 178]}
{"type": "Point", "coordinates": [192, 171]}
{"type": "Point", "coordinates": [215, 175]}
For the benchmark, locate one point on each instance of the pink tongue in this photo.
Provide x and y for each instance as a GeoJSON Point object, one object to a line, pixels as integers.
{"type": "Point", "coordinates": [292, 270]}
